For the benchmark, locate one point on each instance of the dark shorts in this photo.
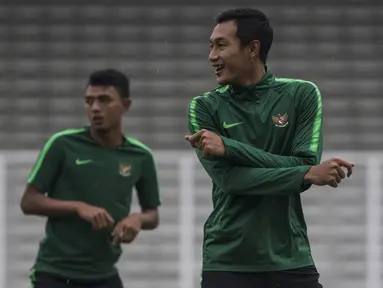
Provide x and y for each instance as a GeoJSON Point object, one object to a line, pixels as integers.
{"type": "Point", "coordinates": [48, 280]}
{"type": "Point", "coordinates": [307, 277]}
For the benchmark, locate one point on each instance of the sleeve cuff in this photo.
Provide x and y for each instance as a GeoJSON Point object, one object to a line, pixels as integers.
{"type": "Point", "coordinates": [38, 187]}
{"type": "Point", "coordinates": [150, 206]}
{"type": "Point", "coordinates": [229, 146]}
{"type": "Point", "coordinates": [305, 185]}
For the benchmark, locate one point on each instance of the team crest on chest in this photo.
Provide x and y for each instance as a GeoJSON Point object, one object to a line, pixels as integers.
{"type": "Point", "coordinates": [280, 120]}
{"type": "Point", "coordinates": [125, 169]}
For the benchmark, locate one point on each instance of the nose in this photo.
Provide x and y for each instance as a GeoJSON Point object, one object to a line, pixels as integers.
{"type": "Point", "coordinates": [213, 56]}
{"type": "Point", "coordinates": [95, 106]}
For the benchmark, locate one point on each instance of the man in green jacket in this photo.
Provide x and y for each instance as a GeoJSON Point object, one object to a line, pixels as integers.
{"type": "Point", "coordinates": [259, 138]}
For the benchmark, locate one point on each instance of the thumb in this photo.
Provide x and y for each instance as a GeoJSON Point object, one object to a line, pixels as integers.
{"type": "Point", "coordinates": [116, 230]}
{"type": "Point", "coordinates": [116, 240]}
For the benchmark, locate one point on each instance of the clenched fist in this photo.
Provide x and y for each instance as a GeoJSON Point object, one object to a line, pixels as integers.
{"type": "Point", "coordinates": [329, 172]}
{"type": "Point", "coordinates": [127, 229]}
{"type": "Point", "coordinates": [99, 217]}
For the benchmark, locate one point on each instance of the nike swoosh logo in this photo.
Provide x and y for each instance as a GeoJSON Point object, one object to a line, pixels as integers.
{"type": "Point", "coordinates": [227, 126]}
{"type": "Point", "coordinates": [82, 162]}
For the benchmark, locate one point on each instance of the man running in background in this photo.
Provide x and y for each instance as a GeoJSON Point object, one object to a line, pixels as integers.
{"type": "Point", "coordinates": [82, 182]}
{"type": "Point", "coordinates": [259, 138]}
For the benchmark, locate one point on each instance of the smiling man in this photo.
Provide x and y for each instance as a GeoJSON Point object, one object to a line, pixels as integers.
{"type": "Point", "coordinates": [82, 182]}
{"type": "Point", "coordinates": [259, 138]}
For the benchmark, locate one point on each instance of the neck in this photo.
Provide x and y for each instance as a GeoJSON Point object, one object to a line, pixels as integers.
{"type": "Point", "coordinates": [108, 138]}
{"type": "Point", "coordinates": [254, 76]}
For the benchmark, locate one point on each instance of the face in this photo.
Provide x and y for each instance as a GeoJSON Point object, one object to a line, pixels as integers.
{"type": "Point", "coordinates": [105, 107]}
{"type": "Point", "coordinates": [232, 62]}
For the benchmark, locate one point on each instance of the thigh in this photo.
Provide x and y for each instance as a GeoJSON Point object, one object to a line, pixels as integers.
{"type": "Point", "coordinates": [306, 277]}
{"type": "Point", "coordinates": [222, 279]}
{"type": "Point", "coordinates": [46, 280]}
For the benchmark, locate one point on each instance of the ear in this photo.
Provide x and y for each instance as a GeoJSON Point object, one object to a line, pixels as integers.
{"type": "Point", "coordinates": [254, 48]}
{"type": "Point", "coordinates": [126, 102]}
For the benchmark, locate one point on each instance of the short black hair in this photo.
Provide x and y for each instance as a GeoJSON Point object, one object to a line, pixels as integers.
{"type": "Point", "coordinates": [252, 24]}
{"type": "Point", "coordinates": [111, 77]}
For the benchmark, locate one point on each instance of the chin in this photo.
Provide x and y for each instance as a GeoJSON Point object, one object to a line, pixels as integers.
{"type": "Point", "coordinates": [222, 80]}
{"type": "Point", "coordinates": [99, 128]}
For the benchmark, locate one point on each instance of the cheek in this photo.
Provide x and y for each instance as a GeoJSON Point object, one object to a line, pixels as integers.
{"type": "Point", "coordinates": [233, 59]}
{"type": "Point", "coordinates": [234, 65]}
{"type": "Point", "coordinates": [115, 111]}
{"type": "Point", "coordinates": [242, 63]}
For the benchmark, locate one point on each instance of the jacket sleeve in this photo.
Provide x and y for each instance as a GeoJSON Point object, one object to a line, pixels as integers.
{"type": "Point", "coordinates": [242, 180]}
{"type": "Point", "coordinates": [307, 144]}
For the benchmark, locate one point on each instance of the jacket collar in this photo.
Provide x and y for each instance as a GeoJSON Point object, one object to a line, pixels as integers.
{"type": "Point", "coordinates": [252, 90]}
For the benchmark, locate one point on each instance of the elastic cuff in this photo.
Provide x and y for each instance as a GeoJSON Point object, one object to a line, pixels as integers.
{"type": "Point", "coordinates": [228, 143]}
{"type": "Point", "coordinates": [304, 183]}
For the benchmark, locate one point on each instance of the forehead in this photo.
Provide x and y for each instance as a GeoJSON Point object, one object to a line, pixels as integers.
{"type": "Point", "coordinates": [101, 90]}
{"type": "Point", "coordinates": [226, 30]}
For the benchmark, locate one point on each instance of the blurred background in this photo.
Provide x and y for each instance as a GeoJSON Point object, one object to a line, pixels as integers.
{"type": "Point", "coordinates": [48, 51]}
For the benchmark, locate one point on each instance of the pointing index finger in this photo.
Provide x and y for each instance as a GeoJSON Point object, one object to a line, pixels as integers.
{"type": "Point", "coordinates": [109, 219]}
{"type": "Point", "coordinates": [195, 137]}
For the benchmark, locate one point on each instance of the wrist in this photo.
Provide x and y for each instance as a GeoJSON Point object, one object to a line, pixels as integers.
{"type": "Point", "coordinates": [308, 178]}
{"type": "Point", "coordinates": [138, 216]}
{"type": "Point", "coordinates": [75, 206]}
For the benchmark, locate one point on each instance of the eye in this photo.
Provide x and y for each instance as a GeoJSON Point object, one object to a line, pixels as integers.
{"type": "Point", "coordinates": [88, 101]}
{"type": "Point", "coordinates": [105, 99]}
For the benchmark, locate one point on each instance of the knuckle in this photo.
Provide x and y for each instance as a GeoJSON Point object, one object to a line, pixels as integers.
{"type": "Point", "coordinates": [335, 165]}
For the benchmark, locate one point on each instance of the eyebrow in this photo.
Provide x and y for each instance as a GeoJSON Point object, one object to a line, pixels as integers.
{"type": "Point", "coordinates": [217, 39]}
{"type": "Point", "coordinates": [97, 96]}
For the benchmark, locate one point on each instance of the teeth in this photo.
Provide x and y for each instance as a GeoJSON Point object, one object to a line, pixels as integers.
{"type": "Point", "coordinates": [218, 67]}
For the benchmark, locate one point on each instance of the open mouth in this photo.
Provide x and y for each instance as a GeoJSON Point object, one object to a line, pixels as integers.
{"type": "Point", "coordinates": [218, 68]}
{"type": "Point", "coordinates": [97, 119]}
